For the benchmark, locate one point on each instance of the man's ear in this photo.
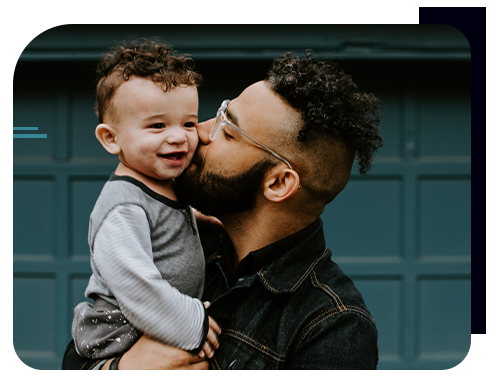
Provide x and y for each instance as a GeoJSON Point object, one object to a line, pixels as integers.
{"type": "Point", "coordinates": [280, 184]}
{"type": "Point", "coordinates": [107, 136]}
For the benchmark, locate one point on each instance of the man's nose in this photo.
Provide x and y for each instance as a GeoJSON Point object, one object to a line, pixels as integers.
{"type": "Point", "coordinates": [203, 129]}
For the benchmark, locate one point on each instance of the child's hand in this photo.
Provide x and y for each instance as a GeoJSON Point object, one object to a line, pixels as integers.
{"type": "Point", "coordinates": [205, 220]}
{"type": "Point", "coordinates": [212, 342]}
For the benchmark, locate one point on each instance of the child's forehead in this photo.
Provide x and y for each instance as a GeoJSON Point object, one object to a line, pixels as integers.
{"type": "Point", "coordinates": [135, 86]}
{"type": "Point", "coordinates": [142, 97]}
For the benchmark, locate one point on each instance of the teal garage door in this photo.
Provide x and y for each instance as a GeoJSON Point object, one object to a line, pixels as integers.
{"type": "Point", "coordinates": [402, 232]}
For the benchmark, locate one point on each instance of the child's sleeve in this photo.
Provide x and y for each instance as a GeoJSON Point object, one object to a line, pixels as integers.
{"type": "Point", "coordinates": [122, 254]}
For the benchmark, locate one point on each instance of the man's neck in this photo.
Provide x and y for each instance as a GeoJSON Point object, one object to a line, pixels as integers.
{"type": "Point", "coordinates": [251, 231]}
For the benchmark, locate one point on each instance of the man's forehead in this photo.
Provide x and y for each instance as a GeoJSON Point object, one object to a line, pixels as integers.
{"type": "Point", "coordinates": [257, 103]}
{"type": "Point", "coordinates": [231, 116]}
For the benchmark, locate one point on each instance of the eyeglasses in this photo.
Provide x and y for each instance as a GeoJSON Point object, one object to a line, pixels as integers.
{"type": "Point", "coordinates": [221, 120]}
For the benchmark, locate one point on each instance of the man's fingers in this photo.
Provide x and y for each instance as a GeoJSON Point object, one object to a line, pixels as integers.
{"type": "Point", "coordinates": [195, 358]}
{"type": "Point", "coordinates": [203, 365]}
{"type": "Point", "coordinates": [207, 349]}
{"type": "Point", "coordinates": [212, 339]}
{"type": "Point", "coordinates": [197, 363]}
{"type": "Point", "coordinates": [214, 325]}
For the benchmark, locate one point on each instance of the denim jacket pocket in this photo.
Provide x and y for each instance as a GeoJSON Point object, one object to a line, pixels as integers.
{"type": "Point", "coordinates": [239, 351]}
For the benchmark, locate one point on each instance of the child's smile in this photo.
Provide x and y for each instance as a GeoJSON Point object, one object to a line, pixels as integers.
{"type": "Point", "coordinates": [155, 130]}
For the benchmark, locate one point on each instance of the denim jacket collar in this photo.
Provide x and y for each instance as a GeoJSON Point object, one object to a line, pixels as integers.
{"type": "Point", "coordinates": [289, 270]}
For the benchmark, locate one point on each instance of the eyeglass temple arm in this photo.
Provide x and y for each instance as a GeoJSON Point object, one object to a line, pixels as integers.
{"type": "Point", "coordinates": [267, 149]}
{"type": "Point", "coordinates": [223, 109]}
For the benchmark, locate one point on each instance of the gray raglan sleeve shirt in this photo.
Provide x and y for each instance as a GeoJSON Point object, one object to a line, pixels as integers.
{"type": "Point", "coordinates": [147, 259]}
{"type": "Point", "coordinates": [124, 259]}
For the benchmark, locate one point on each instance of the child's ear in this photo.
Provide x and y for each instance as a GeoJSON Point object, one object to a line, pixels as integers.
{"type": "Point", "coordinates": [107, 136]}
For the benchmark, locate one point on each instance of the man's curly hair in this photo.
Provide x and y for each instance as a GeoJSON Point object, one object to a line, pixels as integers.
{"type": "Point", "coordinates": [329, 103]}
{"type": "Point", "coordinates": [147, 58]}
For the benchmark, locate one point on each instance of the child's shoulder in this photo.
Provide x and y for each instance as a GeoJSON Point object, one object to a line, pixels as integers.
{"type": "Point", "coordinates": [120, 192]}
{"type": "Point", "coordinates": [117, 188]}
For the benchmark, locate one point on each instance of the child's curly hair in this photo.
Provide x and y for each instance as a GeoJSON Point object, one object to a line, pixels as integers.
{"type": "Point", "coordinates": [329, 103]}
{"type": "Point", "coordinates": [149, 58]}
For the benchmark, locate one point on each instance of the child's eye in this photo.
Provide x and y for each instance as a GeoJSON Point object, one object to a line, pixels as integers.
{"type": "Point", "coordinates": [158, 126]}
{"type": "Point", "coordinates": [190, 124]}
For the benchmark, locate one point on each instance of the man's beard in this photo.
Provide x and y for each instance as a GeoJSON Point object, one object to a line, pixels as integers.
{"type": "Point", "coordinates": [218, 195]}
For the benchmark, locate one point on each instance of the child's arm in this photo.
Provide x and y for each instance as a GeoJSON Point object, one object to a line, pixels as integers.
{"type": "Point", "coordinates": [123, 257]}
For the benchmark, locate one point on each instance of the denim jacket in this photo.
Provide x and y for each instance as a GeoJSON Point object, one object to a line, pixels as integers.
{"type": "Point", "coordinates": [298, 312]}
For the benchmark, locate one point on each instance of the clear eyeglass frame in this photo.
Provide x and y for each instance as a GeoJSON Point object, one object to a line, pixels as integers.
{"type": "Point", "coordinates": [221, 119]}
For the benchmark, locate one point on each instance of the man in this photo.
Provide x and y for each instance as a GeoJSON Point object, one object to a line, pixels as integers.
{"type": "Point", "coordinates": [267, 166]}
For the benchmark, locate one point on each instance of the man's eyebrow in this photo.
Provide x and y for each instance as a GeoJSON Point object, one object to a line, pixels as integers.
{"type": "Point", "coordinates": [232, 117]}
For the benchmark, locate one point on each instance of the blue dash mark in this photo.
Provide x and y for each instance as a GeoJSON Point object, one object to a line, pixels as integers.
{"type": "Point", "coordinates": [28, 135]}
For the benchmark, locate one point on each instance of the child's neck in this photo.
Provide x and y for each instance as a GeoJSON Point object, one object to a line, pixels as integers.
{"type": "Point", "coordinates": [162, 187]}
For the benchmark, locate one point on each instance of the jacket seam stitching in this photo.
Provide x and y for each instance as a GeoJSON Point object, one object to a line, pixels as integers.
{"type": "Point", "coordinates": [215, 255]}
{"type": "Point", "coordinates": [275, 355]}
{"type": "Point", "coordinates": [300, 279]}
{"type": "Point", "coordinates": [216, 364]}
{"type": "Point", "coordinates": [305, 273]}
{"type": "Point", "coordinates": [342, 308]}
{"type": "Point", "coordinates": [327, 289]}
{"type": "Point", "coordinates": [316, 319]}
{"type": "Point", "coordinates": [332, 312]}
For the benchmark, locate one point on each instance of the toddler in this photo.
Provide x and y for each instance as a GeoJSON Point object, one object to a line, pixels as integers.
{"type": "Point", "coordinates": [147, 261]}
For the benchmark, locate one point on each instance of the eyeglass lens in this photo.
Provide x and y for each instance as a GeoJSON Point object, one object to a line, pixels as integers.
{"type": "Point", "coordinates": [216, 126]}
{"type": "Point", "coordinates": [219, 118]}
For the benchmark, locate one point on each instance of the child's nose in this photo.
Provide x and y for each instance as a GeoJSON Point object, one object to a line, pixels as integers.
{"type": "Point", "coordinates": [176, 136]}
{"type": "Point", "coordinates": [203, 129]}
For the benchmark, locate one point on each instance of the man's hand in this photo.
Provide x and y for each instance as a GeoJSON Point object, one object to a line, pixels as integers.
{"type": "Point", "coordinates": [206, 220]}
{"type": "Point", "coordinates": [212, 342]}
{"type": "Point", "coordinates": [148, 354]}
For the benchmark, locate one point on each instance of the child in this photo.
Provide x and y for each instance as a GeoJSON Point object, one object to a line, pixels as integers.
{"type": "Point", "coordinates": [146, 258]}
